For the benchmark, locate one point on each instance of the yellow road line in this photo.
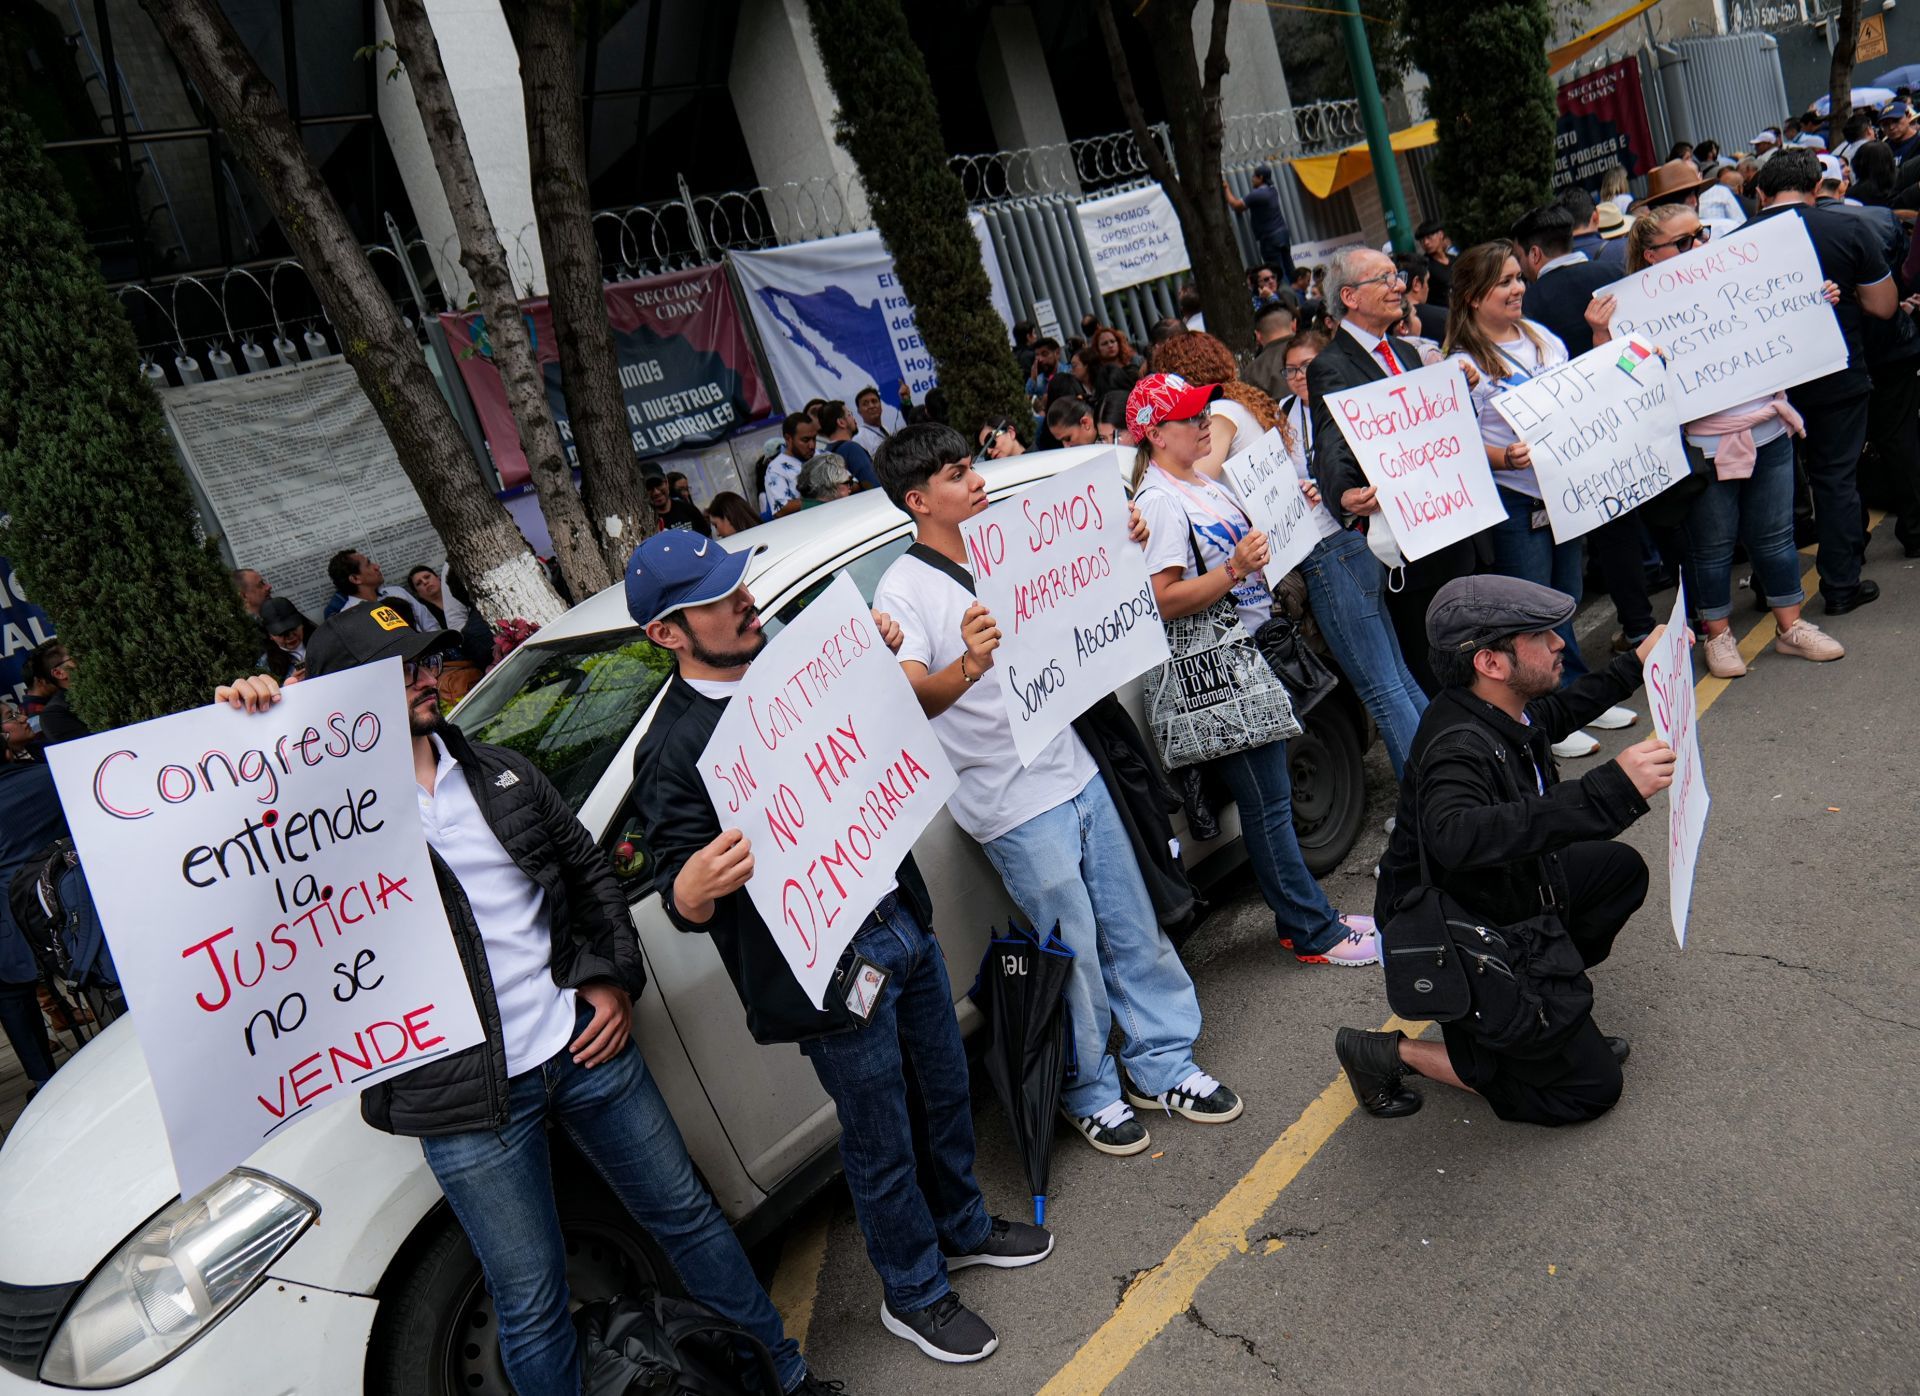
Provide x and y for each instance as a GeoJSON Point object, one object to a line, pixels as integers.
{"type": "Point", "coordinates": [796, 1283]}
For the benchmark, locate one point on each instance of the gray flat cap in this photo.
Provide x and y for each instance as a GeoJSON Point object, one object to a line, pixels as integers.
{"type": "Point", "coordinates": [1471, 612]}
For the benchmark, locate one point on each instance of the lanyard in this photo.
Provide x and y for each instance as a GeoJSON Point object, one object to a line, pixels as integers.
{"type": "Point", "coordinates": [1235, 531]}
{"type": "Point", "coordinates": [1518, 367]}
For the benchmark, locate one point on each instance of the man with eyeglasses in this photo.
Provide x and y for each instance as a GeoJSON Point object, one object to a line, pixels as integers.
{"type": "Point", "coordinates": [554, 965]}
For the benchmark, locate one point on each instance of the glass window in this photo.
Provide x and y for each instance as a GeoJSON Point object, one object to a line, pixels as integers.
{"type": "Point", "coordinates": [568, 706]}
{"type": "Point", "coordinates": [866, 571]}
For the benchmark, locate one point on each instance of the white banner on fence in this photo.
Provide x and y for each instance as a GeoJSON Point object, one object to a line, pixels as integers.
{"type": "Point", "coordinates": [1071, 594]}
{"type": "Point", "coordinates": [1417, 440]}
{"type": "Point", "coordinates": [296, 465]}
{"type": "Point", "coordinates": [1270, 491]}
{"type": "Point", "coordinates": [832, 318]}
{"type": "Point", "coordinates": [1741, 317]}
{"type": "Point", "coordinates": [265, 888]}
{"type": "Point", "coordinates": [1604, 432]}
{"type": "Point", "coordinates": [1134, 237]}
{"type": "Point", "coordinates": [825, 762]}
{"type": "Point", "coordinates": [1668, 672]}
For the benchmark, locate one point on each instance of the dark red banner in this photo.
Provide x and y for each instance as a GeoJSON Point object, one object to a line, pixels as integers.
{"type": "Point", "coordinates": [1603, 119]}
{"type": "Point", "coordinates": [686, 371]}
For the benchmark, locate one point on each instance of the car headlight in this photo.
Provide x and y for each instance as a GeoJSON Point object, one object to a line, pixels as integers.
{"type": "Point", "coordinates": [175, 1278]}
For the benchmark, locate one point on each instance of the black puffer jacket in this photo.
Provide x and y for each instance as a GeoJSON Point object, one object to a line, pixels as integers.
{"type": "Point", "coordinates": [593, 938]}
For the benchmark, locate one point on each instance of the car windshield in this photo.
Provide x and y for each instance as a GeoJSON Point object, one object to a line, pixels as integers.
{"type": "Point", "coordinates": [567, 706]}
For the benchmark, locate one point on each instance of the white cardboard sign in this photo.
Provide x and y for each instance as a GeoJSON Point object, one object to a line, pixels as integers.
{"type": "Point", "coordinates": [1270, 491]}
{"type": "Point", "coordinates": [265, 888]}
{"type": "Point", "coordinates": [1741, 316]}
{"type": "Point", "coordinates": [1669, 678]}
{"type": "Point", "coordinates": [1071, 594]}
{"type": "Point", "coordinates": [825, 762]}
{"type": "Point", "coordinates": [1417, 439]}
{"type": "Point", "coordinates": [1604, 432]}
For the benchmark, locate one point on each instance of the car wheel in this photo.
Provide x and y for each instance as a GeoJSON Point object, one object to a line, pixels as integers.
{"type": "Point", "coordinates": [1329, 774]}
{"type": "Point", "coordinates": [436, 1333]}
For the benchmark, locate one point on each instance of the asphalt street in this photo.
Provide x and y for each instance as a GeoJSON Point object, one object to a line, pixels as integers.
{"type": "Point", "coordinates": [1744, 1220]}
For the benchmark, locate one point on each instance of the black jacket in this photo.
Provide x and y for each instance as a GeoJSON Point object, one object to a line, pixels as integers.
{"type": "Point", "coordinates": [671, 801]}
{"type": "Point", "coordinates": [1559, 300]}
{"type": "Point", "coordinates": [593, 939]}
{"type": "Point", "coordinates": [1490, 851]}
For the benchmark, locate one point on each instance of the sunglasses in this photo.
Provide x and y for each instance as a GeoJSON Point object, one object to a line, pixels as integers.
{"type": "Point", "coordinates": [1685, 242]}
{"type": "Point", "coordinates": [411, 669]}
{"type": "Point", "coordinates": [992, 438]}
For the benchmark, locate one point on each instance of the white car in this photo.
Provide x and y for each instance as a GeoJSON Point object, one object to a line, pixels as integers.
{"type": "Point", "coordinates": [330, 1264]}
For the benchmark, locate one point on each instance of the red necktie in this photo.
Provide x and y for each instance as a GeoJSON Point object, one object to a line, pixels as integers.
{"type": "Point", "coordinates": [1385, 351]}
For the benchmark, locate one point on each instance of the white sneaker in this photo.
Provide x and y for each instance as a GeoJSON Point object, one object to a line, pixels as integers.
{"type": "Point", "coordinates": [1114, 1129]}
{"type": "Point", "coordinates": [1576, 745]}
{"type": "Point", "coordinates": [1615, 718]}
{"type": "Point", "coordinates": [1199, 1097]}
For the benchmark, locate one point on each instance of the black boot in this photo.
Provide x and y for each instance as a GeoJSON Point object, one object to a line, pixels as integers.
{"type": "Point", "coordinates": [1374, 1069]}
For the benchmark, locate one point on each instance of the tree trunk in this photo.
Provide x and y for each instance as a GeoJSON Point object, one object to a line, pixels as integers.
{"type": "Point", "coordinates": [1840, 77]}
{"type": "Point", "coordinates": [482, 541]}
{"type": "Point", "coordinates": [575, 546]}
{"type": "Point", "coordinates": [1197, 128]}
{"type": "Point", "coordinates": [589, 366]}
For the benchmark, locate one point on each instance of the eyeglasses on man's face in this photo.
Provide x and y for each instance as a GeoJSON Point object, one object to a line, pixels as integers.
{"type": "Point", "coordinates": [1385, 278]}
{"type": "Point", "coordinates": [412, 669]}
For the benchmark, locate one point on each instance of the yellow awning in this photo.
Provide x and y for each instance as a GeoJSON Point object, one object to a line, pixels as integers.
{"type": "Point", "coordinates": [1326, 175]}
{"type": "Point", "coordinates": [1575, 49]}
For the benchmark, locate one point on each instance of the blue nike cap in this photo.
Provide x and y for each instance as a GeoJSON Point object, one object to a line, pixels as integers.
{"type": "Point", "coordinates": [679, 568]}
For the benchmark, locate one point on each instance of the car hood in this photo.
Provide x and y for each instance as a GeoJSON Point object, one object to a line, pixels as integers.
{"type": "Point", "coordinates": [86, 1164]}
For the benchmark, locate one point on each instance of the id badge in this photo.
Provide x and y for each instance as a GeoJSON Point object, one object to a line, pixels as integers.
{"type": "Point", "coordinates": [1537, 519]}
{"type": "Point", "coordinates": [864, 982]}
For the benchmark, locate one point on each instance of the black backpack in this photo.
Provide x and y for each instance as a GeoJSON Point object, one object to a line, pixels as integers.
{"type": "Point", "coordinates": [1519, 989]}
{"type": "Point", "coordinates": [655, 1346]}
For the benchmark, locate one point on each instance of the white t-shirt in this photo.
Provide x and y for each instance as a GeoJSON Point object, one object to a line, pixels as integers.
{"type": "Point", "coordinates": [996, 794]}
{"type": "Point", "coordinates": [1246, 431]}
{"type": "Point", "coordinates": [536, 1014]}
{"type": "Point", "coordinates": [1522, 359]}
{"type": "Point", "coordinates": [783, 482]}
{"type": "Point", "coordinates": [1178, 514]}
{"type": "Point", "coordinates": [1719, 206]}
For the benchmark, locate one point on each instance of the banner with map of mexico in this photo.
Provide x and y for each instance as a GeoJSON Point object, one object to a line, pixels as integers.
{"type": "Point", "coordinates": [832, 318]}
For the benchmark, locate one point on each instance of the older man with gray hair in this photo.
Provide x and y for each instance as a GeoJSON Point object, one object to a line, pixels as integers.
{"type": "Point", "coordinates": [824, 479]}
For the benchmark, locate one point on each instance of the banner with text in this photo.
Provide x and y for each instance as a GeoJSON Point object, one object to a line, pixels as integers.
{"type": "Point", "coordinates": [825, 762]}
{"type": "Point", "coordinates": [1668, 672]}
{"type": "Point", "coordinates": [1603, 121]}
{"type": "Point", "coordinates": [1134, 237]}
{"type": "Point", "coordinates": [1270, 491]}
{"type": "Point", "coordinates": [1604, 432]}
{"type": "Point", "coordinates": [23, 625]}
{"type": "Point", "coordinates": [1417, 440]}
{"type": "Point", "coordinates": [1741, 317]}
{"type": "Point", "coordinates": [832, 318]}
{"type": "Point", "coordinates": [271, 910]}
{"type": "Point", "coordinates": [686, 372]}
{"type": "Point", "coordinates": [1071, 594]}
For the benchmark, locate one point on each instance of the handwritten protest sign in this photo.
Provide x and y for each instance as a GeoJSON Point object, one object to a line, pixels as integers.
{"type": "Point", "coordinates": [1604, 433]}
{"type": "Point", "coordinates": [1742, 316]}
{"type": "Point", "coordinates": [825, 762]}
{"type": "Point", "coordinates": [1669, 675]}
{"type": "Point", "coordinates": [1134, 237]}
{"type": "Point", "coordinates": [1269, 489]}
{"type": "Point", "coordinates": [1071, 594]}
{"type": "Point", "coordinates": [1417, 440]}
{"type": "Point", "coordinates": [266, 891]}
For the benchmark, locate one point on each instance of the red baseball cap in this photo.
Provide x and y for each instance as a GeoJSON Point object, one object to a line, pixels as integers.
{"type": "Point", "coordinates": [1167, 397]}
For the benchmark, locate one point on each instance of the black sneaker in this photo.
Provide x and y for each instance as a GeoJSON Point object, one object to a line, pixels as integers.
{"type": "Point", "coordinates": [946, 1331]}
{"type": "Point", "coordinates": [1113, 1130]}
{"type": "Point", "coordinates": [810, 1385]}
{"type": "Point", "coordinates": [1008, 1246]}
{"type": "Point", "coordinates": [1374, 1070]}
{"type": "Point", "coordinates": [1199, 1097]}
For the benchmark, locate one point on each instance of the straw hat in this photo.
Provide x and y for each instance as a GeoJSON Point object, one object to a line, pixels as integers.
{"type": "Point", "coordinates": [1613, 223]}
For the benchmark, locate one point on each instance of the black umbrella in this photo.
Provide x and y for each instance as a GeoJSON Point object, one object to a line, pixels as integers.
{"type": "Point", "coordinates": [1029, 1051]}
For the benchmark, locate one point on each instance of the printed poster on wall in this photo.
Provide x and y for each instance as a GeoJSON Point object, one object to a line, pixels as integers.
{"type": "Point", "coordinates": [825, 762]}
{"type": "Point", "coordinates": [272, 912]}
{"type": "Point", "coordinates": [1603, 121]}
{"type": "Point", "coordinates": [832, 318]}
{"type": "Point", "coordinates": [687, 373]}
{"type": "Point", "coordinates": [1071, 594]}
{"type": "Point", "coordinates": [1668, 673]}
{"type": "Point", "coordinates": [1134, 237]}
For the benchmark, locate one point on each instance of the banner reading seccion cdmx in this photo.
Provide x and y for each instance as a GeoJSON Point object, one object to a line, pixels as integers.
{"type": "Point", "coordinates": [832, 318]}
{"type": "Point", "coordinates": [1134, 237]}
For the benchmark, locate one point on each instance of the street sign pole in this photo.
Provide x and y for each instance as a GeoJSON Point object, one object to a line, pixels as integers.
{"type": "Point", "coordinates": [1386, 174]}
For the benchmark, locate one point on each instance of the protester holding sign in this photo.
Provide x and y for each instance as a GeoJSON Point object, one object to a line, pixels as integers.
{"type": "Point", "coordinates": [889, 1001]}
{"type": "Point", "coordinates": [1203, 548]}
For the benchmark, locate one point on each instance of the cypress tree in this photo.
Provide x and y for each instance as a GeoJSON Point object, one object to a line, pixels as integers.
{"type": "Point", "coordinates": [889, 125]}
{"type": "Point", "coordinates": [1486, 61]}
{"type": "Point", "coordinates": [104, 527]}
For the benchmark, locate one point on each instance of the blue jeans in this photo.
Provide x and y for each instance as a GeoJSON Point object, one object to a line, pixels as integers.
{"type": "Point", "coordinates": [1073, 868]}
{"type": "Point", "coordinates": [500, 1186]}
{"type": "Point", "coordinates": [1263, 790]}
{"type": "Point", "coordinates": [1344, 581]}
{"type": "Point", "coordinates": [1520, 550]}
{"type": "Point", "coordinates": [26, 1029]}
{"type": "Point", "coordinates": [912, 1029]}
{"type": "Point", "coordinates": [1757, 510]}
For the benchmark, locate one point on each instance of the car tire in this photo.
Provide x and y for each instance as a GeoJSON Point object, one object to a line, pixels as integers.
{"type": "Point", "coordinates": [436, 1332]}
{"type": "Point", "coordinates": [1329, 774]}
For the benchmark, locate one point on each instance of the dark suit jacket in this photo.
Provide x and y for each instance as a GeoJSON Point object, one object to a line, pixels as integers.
{"type": "Point", "coordinates": [1559, 300]}
{"type": "Point", "coordinates": [1341, 365]}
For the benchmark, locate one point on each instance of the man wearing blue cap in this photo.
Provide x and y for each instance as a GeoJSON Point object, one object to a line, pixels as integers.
{"type": "Point", "coordinates": [691, 596]}
{"type": "Point", "coordinates": [1263, 209]}
{"type": "Point", "coordinates": [1507, 839]}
